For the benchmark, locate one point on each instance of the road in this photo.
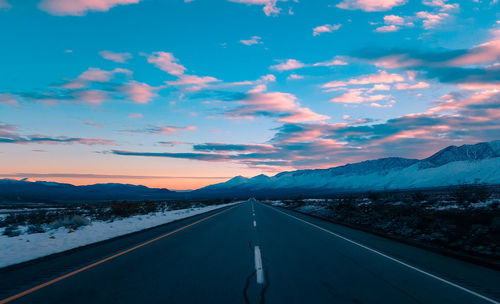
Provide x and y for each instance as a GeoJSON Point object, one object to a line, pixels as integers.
{"type": "Point", "coordinates": [250, 253]}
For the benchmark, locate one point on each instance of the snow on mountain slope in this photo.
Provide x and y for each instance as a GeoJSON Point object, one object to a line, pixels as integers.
{"type": "Point", "coordinates": [467, 164]}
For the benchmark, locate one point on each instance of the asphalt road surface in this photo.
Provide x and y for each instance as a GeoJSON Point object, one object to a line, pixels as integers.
{"type": "Point", "coordinates": [249, 253]}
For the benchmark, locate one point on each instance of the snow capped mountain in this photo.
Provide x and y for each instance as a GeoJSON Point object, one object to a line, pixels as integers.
{"type": "Point", "coordinates": [467, 164]}
{"type": "Point", "coordinates": [463, 153]}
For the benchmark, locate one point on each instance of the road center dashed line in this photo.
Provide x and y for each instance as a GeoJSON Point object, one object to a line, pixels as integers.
{"type": "Point", "coordinates": [254, 223]}
{"type": "Point", "coordinates": [259, 270]}
{"type": "Point", "coordinates": [393, 259]}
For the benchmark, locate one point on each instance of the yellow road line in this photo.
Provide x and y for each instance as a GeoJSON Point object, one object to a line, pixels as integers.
{"type": "Point", "coordinates": [31, 290]}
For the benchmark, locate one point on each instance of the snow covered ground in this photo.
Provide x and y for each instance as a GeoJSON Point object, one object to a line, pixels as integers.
{"type": "Point", "coordinates": [26, 247]}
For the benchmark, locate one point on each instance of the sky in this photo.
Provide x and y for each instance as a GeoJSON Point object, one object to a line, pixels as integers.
{"type": "Point", "coordinates": [182, 94]}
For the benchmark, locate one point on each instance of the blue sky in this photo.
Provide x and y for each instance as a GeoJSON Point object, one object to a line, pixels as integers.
{"type": "Point", "coordinates": [181, 94]}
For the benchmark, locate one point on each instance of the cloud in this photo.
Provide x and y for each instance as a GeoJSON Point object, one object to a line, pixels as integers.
{"type": "Point", "coordinates": [387, 29]}
{"type": "Point", "coordinates": [430, 20]}
{"type": "Point", "coordinates": [253, 40]}
{"type": "Point", "coordinates": [197, 81]}
{"type": "Point", "coordinates": [453, 119]}
{"type": "Point", "coordinates": [139, 92]}
{"type": "Point", "coordinates": [269, 8]}
{"type": "Point", "coordinates": [441, 4]}
{"type": "Point", "coordinates": [355, 96]}
{"type": "Point", "coordinates": [171, 143]}
{"type": "Point", "coordinates": [295, 77]}
{"type": "Point", "coordinates": [393, 23]}
{"type": "Point", "coordinates": [448, 66]}
{"type": "Point", "coordinates": [223, 147]}
{"type": "Point", "coordinates": [195, 156]}
{"type": "Point", "coordinates": [94, 75]}
{"type": "Point", "coordinates": [161, 129]}
{"type": "Point", "coordinates": [80, 7]}
{"type": "Point", "coordinates": [292, 64]}
{"type": "Point", "coordinates": [407, 86]}
{"type": "Point", "coordinates": [116, 57]}
{"type": "Point", "coordinates": [91, 96]}
{"type": "Point", "coordinates": [332, 62]}
{"type": "Point", "coordinates": [273, 104]}
{"type": "Point", "coordinates": [4, 4]}
{"type": "Point", "coordinates": [289, 64]}
{"type": "Point", "coordinates": [7, 98]}
{"type": "Point", "coordinates": [327, 28]}
{"type": "Point", "coordinates": [394, 20]}
{"type": "Point", "coordinates": [135, 115]}
{"type": "Point", "coordinates": [483, 53]}
{"type": "Point", "coordinates": [166, 62]}
{"type": "Point", "coordinates": [8, 135]}
{"type": "Point", "coordinates": [92, 123]}
{"type": "Point", "coordinates": [370, 5]}
{"type": "Point", "coordinates": [381, 77]}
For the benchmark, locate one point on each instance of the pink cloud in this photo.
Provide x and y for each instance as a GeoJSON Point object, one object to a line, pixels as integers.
{"type": "Point", "coordinates": [370, 5]}
{"type": "Point", "coordinates": [139, 92]}
{"type": "Point", "coordinates": [95, 141]}
{"type": "Point", "coordinates": [269, 5]}
{"type": "Point", "coordinates": [166, 62]}
{"type": "Point", "coordinates": [432, 20]}
{"type": "Point", "coordinates": [441, 4]}
{"type": "Point", "coordinates": [393, 19]}
{"type": "Point", "coordinates": [355, 96]}
{"type": "Point", "coordinates": [396, 61]}
{"type": "Point", "coordinates": [332, 62]}
{"type": "Point", "coordinates": [290, 64]}
{"type": "Point", "coordinates": [387, 29]}
{"type": "Point", "coordinates": [98, 75]}
{"type": "Point", "coordinates": [379, 87]}
{"type": "Point", "coordinates": [80, 7]}
{"type": "Point", "coordinates": [480, 86]}
{"type": "Point", "coordinates": [407, 86]}
{"type": "Point", "coordinates": [193, 80]}
{"type": "Point", "coordinates": [4, 4]}
{"type": "Point", "coordinates": [174, 129]}
{"type": "Point", "coordinates": [486, 52]}
{"type": "Point", "coordinates": [116, 57]}
{"type": "Point", "coordinates": [94, 75]}
{"type": "Point", "coordinates": [381, 77]}
{"type": "Point", "coordinates": [91, 96]}
{"type": "Point", "coordinates": [8, 99]}
{"type": "Point", "coordinates": [274, 104]}
{"type": "Point", "coordinates": [295, 77]}
{"type": "Point", "coordinates": [303, 115]}
{"type": "Point", "coordinates": [327, 28]}
{"type": "Point", "coordinates": [251, 41]}
{"type": "Point", "coordinates": [135, 115]}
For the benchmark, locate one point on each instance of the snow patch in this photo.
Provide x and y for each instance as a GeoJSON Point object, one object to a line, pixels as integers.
{"type": "Point", "coordinates": [26, 247]}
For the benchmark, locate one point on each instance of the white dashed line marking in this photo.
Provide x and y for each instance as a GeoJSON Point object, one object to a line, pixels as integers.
{"type": "Point", "coordinates": [258, 266]}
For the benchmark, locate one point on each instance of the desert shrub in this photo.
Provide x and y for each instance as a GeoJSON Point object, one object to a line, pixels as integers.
{"type": "Point", "coordinates": [471, 194]}
{"type": "Point", "coordinates": [11, 231]}
{"type": "Point", "coordinates": [35, 229]}
{"type": "Point", "coordinates": [418, 196]}
{"type": "Point", "coordinates": [70, 222]}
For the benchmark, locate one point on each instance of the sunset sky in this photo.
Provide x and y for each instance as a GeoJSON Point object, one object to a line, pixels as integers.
{"type": "Point", "coordinates": [182, 94]}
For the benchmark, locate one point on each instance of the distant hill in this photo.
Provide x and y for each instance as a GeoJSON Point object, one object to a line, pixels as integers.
{"type": "Point", "coordinates": [25, 191]}
{"type": "Point", "coordinates": [467, 164]}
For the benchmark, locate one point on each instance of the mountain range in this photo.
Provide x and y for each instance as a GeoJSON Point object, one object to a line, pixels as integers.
{"type": "Point", "coordinates": [466, 164]}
